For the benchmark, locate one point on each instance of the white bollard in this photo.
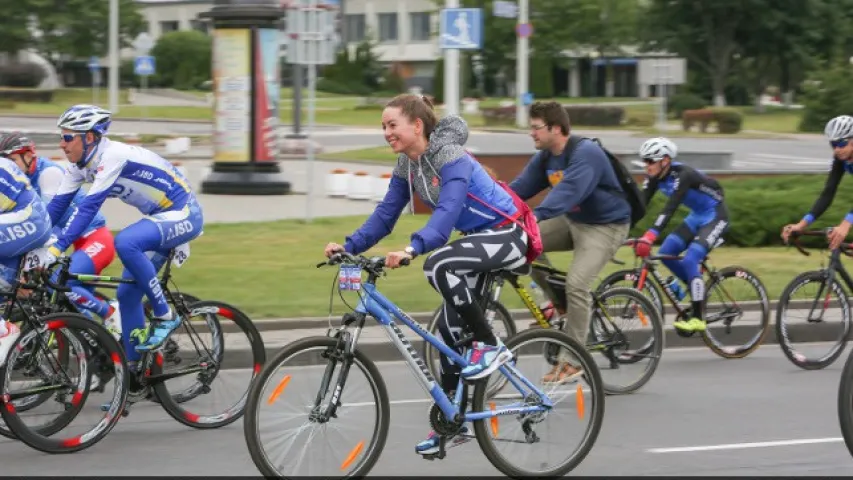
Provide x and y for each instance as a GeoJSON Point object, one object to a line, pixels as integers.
{"type": "Point", "coordinates": [360, 186]}
{"type": "Point", "coordinates": [380, 186]}
{"type": "Point", "coordinates": [337, 183]}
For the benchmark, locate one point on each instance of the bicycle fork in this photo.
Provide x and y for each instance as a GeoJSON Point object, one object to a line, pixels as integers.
{"type": "Point", "coordinates": [341, 353]}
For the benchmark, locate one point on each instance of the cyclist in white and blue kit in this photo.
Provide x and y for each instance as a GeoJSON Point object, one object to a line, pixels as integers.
{"type": "Point", "coordinates": [24, 226]}
{"type": "Point", "coordinates": [140, 178]}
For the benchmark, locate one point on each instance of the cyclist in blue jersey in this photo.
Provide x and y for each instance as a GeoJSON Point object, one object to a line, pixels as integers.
{"type": "Point", "coordinates": [24, 226]}
{"type": "Point", "coordinates": [839, 130]}
{"type": "Point", "coordinates": [94, 250]}
{"type": "Point", "coordinates": [142, 179]}
{"type": "Point", "coordinates": [707, 222]}
{"type": "Point", "coordinates": [433, 165]}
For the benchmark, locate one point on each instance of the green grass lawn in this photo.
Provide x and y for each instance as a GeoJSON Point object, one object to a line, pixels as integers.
{"type": "Point", "coordinates": [333, 109]}
{"type": "Point", "coordinates": [269, 269]}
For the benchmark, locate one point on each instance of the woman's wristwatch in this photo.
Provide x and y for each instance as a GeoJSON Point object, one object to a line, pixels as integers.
{"type": "Point", "coordinates": [411, 251]}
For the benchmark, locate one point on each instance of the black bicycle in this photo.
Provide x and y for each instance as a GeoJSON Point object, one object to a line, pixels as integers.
{"type": "Point", "coordinates": [733, 294]}
{"type": "Point", "coordinates": [620, 319]}
{"type": "Point", "coordinates": [824, 299]}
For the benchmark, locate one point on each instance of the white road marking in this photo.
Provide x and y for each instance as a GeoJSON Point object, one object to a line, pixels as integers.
{"type": "Point", "coordinates": [738, 446]}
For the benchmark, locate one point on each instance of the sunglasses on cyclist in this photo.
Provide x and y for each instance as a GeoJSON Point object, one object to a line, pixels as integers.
{"type": "Point", "coordinates": [69, 137]}
{"type": "Point", "coordinates": [839, 143]}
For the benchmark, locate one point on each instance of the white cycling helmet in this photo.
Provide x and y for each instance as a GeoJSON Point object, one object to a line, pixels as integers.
{"type": "Point", "coordinates": [85, 118]}
{"type": "Point", "coordinates": [655, 149]}
{"type": "Point", "coordinates": [839, 128]}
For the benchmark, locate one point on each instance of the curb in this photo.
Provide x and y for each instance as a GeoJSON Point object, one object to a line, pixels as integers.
{"type": "Point", "coordinates": [384, 351]}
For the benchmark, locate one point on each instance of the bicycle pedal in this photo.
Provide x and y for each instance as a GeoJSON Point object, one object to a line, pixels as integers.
{"type": "Point", "coordinates": [463, 341]}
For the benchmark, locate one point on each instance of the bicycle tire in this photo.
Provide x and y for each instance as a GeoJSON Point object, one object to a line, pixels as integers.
{"type": "Point", "coordinates": [88, 332]}
{"type": "Point", "coordinates": [650, 288]}
{"type": "Point", "coordinates": [781, 329]}
{"type": "Point", "coordinates": [845, 403]}
{"type": "Point", "coordinates": [174, 406]}
{"type": "Point", "coordinates": [737, 271]}
{"type": "Point", "coordinates": [430, 353]}
{"type": "Point", "coordinates": [593, 376]}
{"type": "Point", "coordinates": [374, 377]}
{"type": "Point", "coordinates": [655, 349]}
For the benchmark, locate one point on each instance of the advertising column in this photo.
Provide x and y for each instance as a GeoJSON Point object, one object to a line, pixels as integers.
{"type": "Point", "coordinates": [245, 72]}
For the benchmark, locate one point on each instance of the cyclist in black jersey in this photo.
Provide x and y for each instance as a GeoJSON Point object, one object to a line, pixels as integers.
{"type": "Point", "coordinates": [839, 130]}
{"type": "Point", "coordinates": [698, 234]}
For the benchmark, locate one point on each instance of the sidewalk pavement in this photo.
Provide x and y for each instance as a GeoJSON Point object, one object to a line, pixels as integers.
{"type": "Point", "coordinates": [277, 333]}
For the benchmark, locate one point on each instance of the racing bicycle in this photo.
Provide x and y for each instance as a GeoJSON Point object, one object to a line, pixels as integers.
{"type": "Point", "coordinates": [734, 295]}
{"type": "Point", "coordinates": [313, 385]}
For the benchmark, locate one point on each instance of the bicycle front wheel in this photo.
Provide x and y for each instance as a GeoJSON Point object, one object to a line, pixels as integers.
{"type": "Point", "coordinates": [85, 352]}
{"type": "Point", "coordinates": [810, 302]}
{"type": "Point", "coordinates": [628, 279]}
{"type": "Point", "coordinates": [289, 409]}
{"type": "Point", "coordinates": [736, 297]}
{"type": "Point", "coordinates": [628, 334]}
{"type": "Point", "coordinates": [845, 403]}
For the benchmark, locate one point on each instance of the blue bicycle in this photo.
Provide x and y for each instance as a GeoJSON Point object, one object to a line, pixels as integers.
{"type": "Point", "coordinates": [300, 397]}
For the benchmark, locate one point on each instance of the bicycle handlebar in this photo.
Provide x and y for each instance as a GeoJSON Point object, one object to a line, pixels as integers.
{"type": "Point", "coordinates": [374, 265]}
{"type": "Point", "coordinates": [845, 248]}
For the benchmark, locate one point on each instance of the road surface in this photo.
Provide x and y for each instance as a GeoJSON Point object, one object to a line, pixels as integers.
{"type": "Point", "coordinates": [699, 415]}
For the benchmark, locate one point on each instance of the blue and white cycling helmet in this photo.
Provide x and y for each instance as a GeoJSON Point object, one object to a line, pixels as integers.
{"type": "Point", "coordinates": [656, 149]}
{"type": "Point", "coordinates": [839, 128]}
{"type": "Point", "coordinates": [86, 118]}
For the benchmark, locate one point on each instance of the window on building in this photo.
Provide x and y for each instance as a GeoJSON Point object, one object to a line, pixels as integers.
{"type": "Point", "coordinates": [199, 25]}
{"type": "Point", "coordinates": [387, 27]}
{"type": "Point", "coordinates": [354, 25]}
{"type": "Point", "coordinates": [420, 27]}
{"type": "Point", "coordinates": [166, 27]}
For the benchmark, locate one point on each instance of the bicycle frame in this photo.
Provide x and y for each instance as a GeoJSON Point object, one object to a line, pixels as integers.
{"type": "Point", "coordinates": [385, 311]}
{"type": "Point", "coordinates": [834, 266]}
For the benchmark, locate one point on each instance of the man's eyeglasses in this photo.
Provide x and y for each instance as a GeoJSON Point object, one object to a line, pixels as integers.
{"type": "Point", "coordinates": [839, 143]}
{"type": "Point", "coordinates": [538, 127]}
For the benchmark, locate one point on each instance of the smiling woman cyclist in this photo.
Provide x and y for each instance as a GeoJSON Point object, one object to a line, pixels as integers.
{"type": "Point", "coordinates": [433, 164]}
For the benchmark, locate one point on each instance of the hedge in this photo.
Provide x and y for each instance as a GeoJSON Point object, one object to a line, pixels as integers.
{"type": "Point", "coordinates": [585, 116]}
{"type": "Point", "coordinates": [760, 206]}
{"type": "Point", "coordinates": [727, 120]}
{"type": "Point", "coordinates": [28, 95]}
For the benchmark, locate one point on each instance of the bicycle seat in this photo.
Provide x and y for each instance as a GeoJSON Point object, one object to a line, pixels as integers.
{"type": "Point", "coordinates": [521, 271]}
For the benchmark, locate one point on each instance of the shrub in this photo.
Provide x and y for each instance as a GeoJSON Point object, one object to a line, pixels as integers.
{"type": "Point", "coordinates": [25, 95]}
{"type": "Point", "coordinates": [684, 101]}
{"type": "Point", "coordinates": [22, 75]}
{"type": "Point", "coordinates": [595, 116]}
{"type": "Point", "coordinates": [759, 207]}
{"type": "Point", "coordinates": [183, 59]}
{"type": "Point", "coordinates": [499, 115]}
{"type": "Point", "coordinates": [726, 120]}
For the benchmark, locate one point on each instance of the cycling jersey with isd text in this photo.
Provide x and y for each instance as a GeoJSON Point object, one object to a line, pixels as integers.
{"type": "Point", "coordinates": [139, 177]}
{"type": "Point", "coordinates": [16, 191]}
{"type": "Point", "coordinates": [839, 167]}
{"type": "Point", "coordinates": [684, 185]}
{"type": "Point", "coordinates": [46, 181]}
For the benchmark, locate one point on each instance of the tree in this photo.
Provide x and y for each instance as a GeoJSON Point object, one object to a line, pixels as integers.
{"type": "Point", "coordinates": [80, 28]}
{"type": "Point", "coordinates": [183, 59]}
{"type": "Point", "coordinates": [702, 31]}
{"type": "Point", "coordinates": [15, 28]}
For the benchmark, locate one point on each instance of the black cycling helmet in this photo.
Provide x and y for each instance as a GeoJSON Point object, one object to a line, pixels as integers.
{"type": "Point", "coordinates": [17, 143]}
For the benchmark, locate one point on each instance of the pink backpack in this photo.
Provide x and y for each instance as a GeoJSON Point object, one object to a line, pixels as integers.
{"type": "Point", "coordinates": [527, 221]}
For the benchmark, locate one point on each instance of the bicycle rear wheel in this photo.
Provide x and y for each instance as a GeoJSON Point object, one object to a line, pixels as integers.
{"type": "Point", "coordinates": [819, 301]}
{"type": "Point", "coordinates": [504, 436]}
{"type": "Point", "coordinates": [200, 360]}
{"type": "Point", "coordinates": [291, 395]}
{"type": "Point", "coordinates": [629, 278]}
{"type": "Point", "coordinates": [71, 388]}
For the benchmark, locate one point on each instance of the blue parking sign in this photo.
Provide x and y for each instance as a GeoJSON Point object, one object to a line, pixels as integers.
{"type": "Point", "coordinates": [144, 65]}
{"type": "Point", "coordinates": [461, 29]}
{"type": "Point", "coordinates": [94, 64]}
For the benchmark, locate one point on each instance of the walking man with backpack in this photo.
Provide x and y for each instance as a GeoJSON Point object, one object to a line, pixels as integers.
{"type": "Point", "coordinates": [590, 209]}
